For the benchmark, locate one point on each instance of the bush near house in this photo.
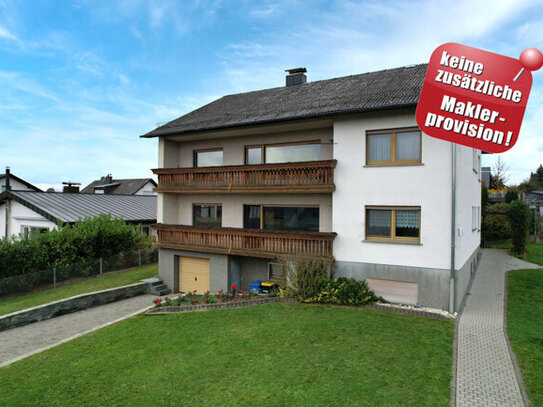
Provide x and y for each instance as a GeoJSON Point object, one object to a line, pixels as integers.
{"type": "Point", "coordinates": [496, 225]}
{"type": "Point", "coordinates": [519, 216]}
{"type": "Point", "coordinates": [308, 280]}
{"type": "Point", "coordinates": [67, 248]}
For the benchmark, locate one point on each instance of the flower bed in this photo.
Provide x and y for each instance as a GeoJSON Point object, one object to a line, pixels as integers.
{"type": "Point", "coordinates": [194, 299]}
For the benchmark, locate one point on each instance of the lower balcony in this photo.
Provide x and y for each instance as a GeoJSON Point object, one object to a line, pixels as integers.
{"type": "Point", "coordinates": [246, 242]}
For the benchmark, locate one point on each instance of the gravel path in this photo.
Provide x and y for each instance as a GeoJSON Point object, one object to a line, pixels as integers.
{"type": "Point", "coordinates": [19, 343]}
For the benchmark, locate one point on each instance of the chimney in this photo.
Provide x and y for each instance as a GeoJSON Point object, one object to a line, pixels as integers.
{"type": "Point", "coordinates": [70, 187]}
{"type": "Point", "coordinates": [8, 176]}
{"type": "Point", "coordinates": [108, 179]}
{"type": "Point", "coordinates": [296, 76]}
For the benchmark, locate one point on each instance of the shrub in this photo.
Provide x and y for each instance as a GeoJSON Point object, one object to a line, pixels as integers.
{"type": "Point", "coordinates": [496, 226]}
{"type": "Point", "coordinates": [519, 216]}
{"type": "Point", "coordinates": [302, 277]}
{"type": "Point", "coordinates": [344, 291]}
{"type": "Point", "coordinates": [511, 195]}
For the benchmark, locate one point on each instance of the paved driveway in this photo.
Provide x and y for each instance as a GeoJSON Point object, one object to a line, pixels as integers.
{"type": "Point", "coordinates": [18, 343]}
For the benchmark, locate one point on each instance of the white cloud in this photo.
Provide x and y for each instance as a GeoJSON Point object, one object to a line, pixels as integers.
{"type": "Point", "coordinates": [6, 34]}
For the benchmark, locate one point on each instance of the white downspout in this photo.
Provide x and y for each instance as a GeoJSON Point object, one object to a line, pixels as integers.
{"type": "Point", "coordinates": [453, 228]}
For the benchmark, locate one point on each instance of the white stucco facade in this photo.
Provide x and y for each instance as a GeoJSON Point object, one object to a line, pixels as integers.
{"type": "Point", "coordinates": [147, 189]}
{"type": "Point", "coordinates": [21, 216]}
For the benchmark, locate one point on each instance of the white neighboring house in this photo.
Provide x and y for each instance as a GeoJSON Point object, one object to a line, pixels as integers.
{"type": "Point", "coordinates": [29, 212]}
{"type": "Point", "coordinates": [334, 169]}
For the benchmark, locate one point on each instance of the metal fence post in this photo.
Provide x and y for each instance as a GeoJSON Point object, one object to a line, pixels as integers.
{"type": "Point", "coordinates": [54, 277]}
{"type": "Point", "coordinates": [139, 257]}
{"type": "Point", "coordinates": [101, 265]}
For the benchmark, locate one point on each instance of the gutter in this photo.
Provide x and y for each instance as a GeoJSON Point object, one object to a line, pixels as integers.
{"type": "Point", "coordinates": [453, 229]}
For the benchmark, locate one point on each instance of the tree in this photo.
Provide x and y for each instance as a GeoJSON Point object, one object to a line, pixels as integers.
{"type": "Point", "coordinates": [537, 177]}
{"type": "Point", "coordinates": [500, 175]}
{"type": "Point", "coordinates": [484, 196]}
{"type": "Point", "coordinates": [519, 218]}
{"type": "Point", "coordinates": [511, 195]}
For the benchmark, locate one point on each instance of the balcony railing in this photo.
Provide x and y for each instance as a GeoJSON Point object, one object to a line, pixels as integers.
{"type": "Point", "coordinates": [246, 242]}
{"type": "Point", "coordinates": [313, 176]}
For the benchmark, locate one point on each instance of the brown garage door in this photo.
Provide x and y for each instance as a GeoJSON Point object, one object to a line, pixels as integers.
{"type": "Point", "coordinates": [193, 274]}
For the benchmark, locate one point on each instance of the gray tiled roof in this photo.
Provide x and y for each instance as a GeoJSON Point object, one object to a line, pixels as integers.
{"type": "Point", "coordinates": [126, 186]}
{"type": "Point", "coordinates": [388, 89]}
{"type": "Point", "coordinates": [70, 208]}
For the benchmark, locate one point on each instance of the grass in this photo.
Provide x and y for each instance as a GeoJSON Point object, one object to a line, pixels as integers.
{"type": "Point", "coordinates": [69, 289]}
{"type": "Point", "coordinates": [268, 355]}
{"type": "Point", "coordinates": [534, 251]}
{"type": "Point", "coordinates": [525, 327]}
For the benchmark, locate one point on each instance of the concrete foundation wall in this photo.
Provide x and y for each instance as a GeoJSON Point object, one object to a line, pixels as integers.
{"type": "Point", "coordinates": [433, 284]}
{"type": "Point", "coordinates": [463, 278]}
{"type": "Point", "coordinates": [252, 270]}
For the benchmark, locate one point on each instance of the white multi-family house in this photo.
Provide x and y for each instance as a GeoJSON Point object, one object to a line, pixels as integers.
{"type": "Point", "coordinates": [334, 169]}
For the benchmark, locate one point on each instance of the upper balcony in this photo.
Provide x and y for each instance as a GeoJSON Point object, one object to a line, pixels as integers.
{"type": "Point", "coordinates": [306, 177]}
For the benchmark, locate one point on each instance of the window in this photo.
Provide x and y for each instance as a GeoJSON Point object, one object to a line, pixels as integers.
{"type": "Point", "coordinates": [254, 155]}
{"type": "Point", "coordinates": [475, 160]}
{"type": "Point", "coordinates": [145, 230]}
{"type": "Point", "coordinates": [208, 158]}
{"type": "Point", "coordinates": [275, 271]}
{"type": "Point", "coordinates": [207, 215]}
{"type": "Point", "coordinates": [32, 232]}
{"type": "Point", "coordinates": [395, 223]}
{"type": "Point", "coordinates": [393, 147]}
{"type": "Point", "coordinates": [281, 217]}
{"type": "Point", "coordinates": [474, 216]}
{"type": "Point", "coordinates": [283, 153]}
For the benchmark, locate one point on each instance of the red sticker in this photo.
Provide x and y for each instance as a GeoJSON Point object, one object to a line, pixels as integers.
{"type": "Point", "coordinates": [473, 97]}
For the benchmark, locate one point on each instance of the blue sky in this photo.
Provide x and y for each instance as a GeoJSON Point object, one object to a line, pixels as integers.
{"type": "Point", "coordinates": [81, 80]}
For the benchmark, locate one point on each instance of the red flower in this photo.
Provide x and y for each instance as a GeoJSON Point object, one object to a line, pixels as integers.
{"type": "Point", "coordinates": [233, 287]}
{"type": "Point", "coordinates": [193, 291]}
{"type": "Point", "coordinates": [194, 301]}
{"type": "Point", "coordinates": [244, 292]}
{"type": "Point", "coordinates": [220, 291]}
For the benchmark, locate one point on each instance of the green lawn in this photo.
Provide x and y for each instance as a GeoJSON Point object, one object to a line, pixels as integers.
{"type": "Point", "coordinates": [68, 289]}
{"type": "Point", "coordinates": [534, 251]}
{"type": "Point", "coordinates": [525, 327]}
{"type": "Point", "coordinates": [268, 355]}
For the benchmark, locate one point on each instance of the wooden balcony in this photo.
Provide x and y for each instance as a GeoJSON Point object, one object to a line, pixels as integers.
{"type": "Point", "coordinates": [309, 177]}
{"type": "Point", "coordinates": [246, 242]}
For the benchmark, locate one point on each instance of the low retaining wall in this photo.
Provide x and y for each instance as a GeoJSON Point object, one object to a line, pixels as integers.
{"type": "Point", "coordinates": [72, 304]}
{"type": "Point", "coordinates": [220, 305]}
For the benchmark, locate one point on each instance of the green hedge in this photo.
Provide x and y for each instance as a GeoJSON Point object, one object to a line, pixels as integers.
{"type": "Point", "coordinates": [69, 249]}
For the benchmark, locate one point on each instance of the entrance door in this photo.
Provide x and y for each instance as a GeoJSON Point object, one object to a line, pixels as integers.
{"type": "Point", "coordinates": [193, 274]}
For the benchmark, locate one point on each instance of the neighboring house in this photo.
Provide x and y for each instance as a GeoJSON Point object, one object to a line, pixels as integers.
{"type": "Point", "coordinates": [15, 183]}
{"type": "Point", "coordinates": [109, 186]}
{"type": "Point", "coordinates": [31, 212]}
{"type": "Point", "coordinates": [334, 170]}
{"type": "Point", "coordinates": [535, 200]}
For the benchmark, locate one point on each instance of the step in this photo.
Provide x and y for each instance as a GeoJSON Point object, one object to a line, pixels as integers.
{"type": "Point", "coordinates": [164, 292]}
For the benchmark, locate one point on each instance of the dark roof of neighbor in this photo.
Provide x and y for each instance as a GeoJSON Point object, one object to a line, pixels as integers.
{"type": "Point", "coordinates": [380, 90]}
{"type": "Point", "coordinates": [70, 208]}
{"type": "Point", "coordinates": [124, 186]}
{"type": "Point", "coordinates": [22, 181]}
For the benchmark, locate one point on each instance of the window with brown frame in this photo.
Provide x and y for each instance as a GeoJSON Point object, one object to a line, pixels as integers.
{"type": "Point", "coordinates": [393, 147]}
{"type": "Point", "coordinates": [283, 152]}
{"type": "Point", "coordinates": [393, 223]}
{"type": "Point", "coordinates": [207, 215]}
{"type": "Point", "coordinates": [209, 157]}
{"type": "Point", "coordinates": [281, 217]}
